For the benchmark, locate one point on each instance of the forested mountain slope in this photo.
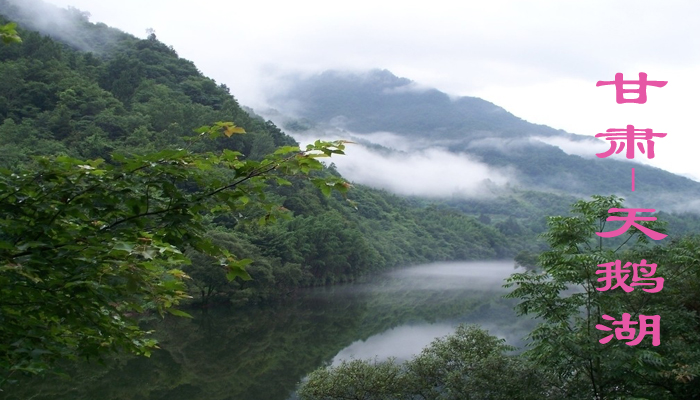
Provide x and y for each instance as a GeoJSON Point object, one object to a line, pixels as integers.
{"type": "Point", "coordinates": [91, 92]}
{"type": "Point", "coordinates": [128, 95]}
{"type": "Point", "coordinates": [134, 96]}
{"type": "Point", "coordinates": [378, 101]}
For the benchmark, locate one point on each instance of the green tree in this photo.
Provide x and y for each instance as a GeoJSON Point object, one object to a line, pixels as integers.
{"type": "Point", "coordinates": [563, 295]}
{"type": "Point", "coordinates": [8, 33]}
{"type": "Point", "coordinates": [526, 259]}
{"type": "Point", "coordinates": [356, 379]}
{"type": "Point", "coordinates": [469, 364]}
{"type": "Point", "coordinates": [472, 364]}
{"type": "Point", "coordinates": [85, 245]}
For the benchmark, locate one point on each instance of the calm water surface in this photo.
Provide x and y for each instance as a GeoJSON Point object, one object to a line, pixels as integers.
{"type": "Point", "coordinates": [262, 353]}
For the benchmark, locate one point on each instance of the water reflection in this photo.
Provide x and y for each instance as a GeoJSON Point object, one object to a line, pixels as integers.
{"type": "Point", "coordinates": [401, 343]}
{"type": "Point", "coordinates": [262, 353]}
{"type": "Point", "coordinates": [405, 341]}
{"type": "Point", "coordinates": [481, 276]}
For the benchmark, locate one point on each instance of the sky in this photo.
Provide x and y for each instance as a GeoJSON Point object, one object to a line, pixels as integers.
{"type": "Point", "coordinates": [540, 60]}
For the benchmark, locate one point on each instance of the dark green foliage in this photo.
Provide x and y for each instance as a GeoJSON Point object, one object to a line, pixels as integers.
{"type": "Point", "coordinates": [469, 364]}
{"type": "Point", "coordinates": [565, 360]}
{"type": "Point", "coordinates": [526, 259]}
{"type": "Point", "coordinates": [137, 96]}
{"type": "Point", "coordinates": [261, 352]}
{"type": "Point", "coordinates": [86, 244]}
{"type": "Point", "coordinates": [140, 97]}
{"type": "Point", "coordinates": [563, 295]}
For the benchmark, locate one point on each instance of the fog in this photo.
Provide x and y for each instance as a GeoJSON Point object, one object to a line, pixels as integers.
{"type": "Point", "coordinates": [428, 173]}
{"type": "Point", "coordinates": [583, 148]}
{"type": "Point", "coordinates": [421, 170]}
{"type": "Point", "coordinates": [62, 24]}
{"type": "Point", "coordinates": [538, 60]}
{"type": "Point", "coordinates": [407, 341]}
{"type": "Point", "coordinates": [404, 168]}
{"type": "Point", "coordinates": [438, 285]}
{"type": "Point", "coordinates": [477, 276]}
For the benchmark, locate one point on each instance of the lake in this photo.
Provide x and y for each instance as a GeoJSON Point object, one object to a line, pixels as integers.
{"type": "Point", "coordinates": [263, 352]}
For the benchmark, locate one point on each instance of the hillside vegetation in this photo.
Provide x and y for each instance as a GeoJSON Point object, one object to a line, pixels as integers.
{"type": "Point", "coordinates": [133, 96]}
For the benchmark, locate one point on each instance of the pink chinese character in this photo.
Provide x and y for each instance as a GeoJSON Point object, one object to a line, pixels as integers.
{"type": "Point", "coordinates": [641, 91]}
{"type": "Point", "coordinates": [614, 271]}
{"type": "Point", "coordinates": [626, 332]}
{"type": "Point", "coordinates": [642, 274]}
{"type": "Point", "coordinates": [629, 135]}
{"type": "Point", "coordinates": [630, 221]}
{"type": "Point", "coordinates": [619, 274]}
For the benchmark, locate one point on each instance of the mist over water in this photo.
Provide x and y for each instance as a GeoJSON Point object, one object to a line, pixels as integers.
{"type": "Point", "coordinates": [435, 285]}
{"type": "Point", "coordinates": [263, 352]}
{"type": "Point", "coordinates": [401, 343]}
{"type": "Point", "coordinates": [479, 276]}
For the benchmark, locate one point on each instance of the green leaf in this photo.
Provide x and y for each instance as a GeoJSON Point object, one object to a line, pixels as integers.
{"type": "Point", "coordinates": [286, 150]}
{"type": "Point", "coordinates": [234, 273]}
{"type": "Point", "coordinates": [283, 182]}
{"type": "Point", "coordinates": [178, 313]}
{"type": "Point", "coordinates": [229, 131]}
{"type": "Point", "coordinates": [8, 33]}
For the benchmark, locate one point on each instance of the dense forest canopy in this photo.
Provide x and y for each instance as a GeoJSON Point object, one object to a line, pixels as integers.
{"type": "Point", "coordinates": [568, 357]}
{"type": "Point", "coordinates": [131, 183]}
{"type": "Point", "coordinates": [115, 125]}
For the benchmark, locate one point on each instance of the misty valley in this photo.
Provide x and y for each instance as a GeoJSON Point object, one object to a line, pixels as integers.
{"type": "Point", "coordinates": [263, 352]}
{"type": "Point", "coordinates": [357, 235]}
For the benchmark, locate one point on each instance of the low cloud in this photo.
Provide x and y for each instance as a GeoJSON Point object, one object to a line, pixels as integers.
{"type": "Point", "coordinates": [432, 172]}
{"type": "Point", "coordinates": [504, 145]}
{"type": "Point", "coordinates": [588, 148]}
{"type": "Point", "coordinates": [582, 148]}
{"type": "Point", "coordinates": [412, 87]}
{"type": "Point", "coordinates": [63, 24]}
{"type": "Point", "coordinates": [669, 202]}
{"type": "Point", "coordinates": [394, 141]}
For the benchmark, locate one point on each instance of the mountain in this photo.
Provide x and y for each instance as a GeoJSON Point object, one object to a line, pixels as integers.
{"type": "Point", "coordinates": [128, 95]}
{"type": "Point", "coordinates": [377, 100]}
{"type": "Point", "coordinates": [138, 96]}
{"type": "Point", "coordinates": [364, 104]}
{"type": "Point", "coordinates": [71, 26]}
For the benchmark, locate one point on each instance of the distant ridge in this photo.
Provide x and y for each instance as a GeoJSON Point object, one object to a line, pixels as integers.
{"type": "Point", "coordinates": [379, 101]}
